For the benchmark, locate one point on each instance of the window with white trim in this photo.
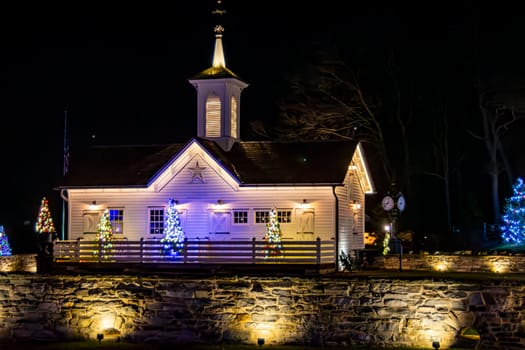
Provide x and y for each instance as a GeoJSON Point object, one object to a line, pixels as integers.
{"type": "Point", "coordinates": [156, 220]}
{"type": "Point", "coordinates": [116, 217]}
{"type": "Point", "coordinates": [262, 216]}
{"type": "Point", "coordinates": [284, 216]}
{"type": "Point", "coordinates": [240, 216]}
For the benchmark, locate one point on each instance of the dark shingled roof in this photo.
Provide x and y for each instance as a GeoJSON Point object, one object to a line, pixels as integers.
{"type": "Point", "coordinates": [266, 162]}
{"type": "Point", "coordinates": [251, 162]}
{"type": "Point", "coordinates": [118, 166]}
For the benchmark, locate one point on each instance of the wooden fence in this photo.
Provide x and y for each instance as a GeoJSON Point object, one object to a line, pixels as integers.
{"type": "Point", "coordinates": [315, 252]}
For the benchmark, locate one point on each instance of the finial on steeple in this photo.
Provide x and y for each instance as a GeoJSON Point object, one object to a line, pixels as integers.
{"type": "Point", "coordinates": [218, 54]}
{"type": "Point", "coordinates": [218, 29]}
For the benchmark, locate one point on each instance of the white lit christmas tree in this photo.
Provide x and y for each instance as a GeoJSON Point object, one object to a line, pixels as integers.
{"type": "Point", "coordinates": [273, 246]}
{"type": "Point", "coordinates": [513, 228]}
{"type": "Point", "coordinates": [173, 240]}
{"type": "Point", "coordinates": [104, 235]}
{"type": "Point", "coordinates": [5, 248]}
{"type": "Point", "coordinates": [45, 221]}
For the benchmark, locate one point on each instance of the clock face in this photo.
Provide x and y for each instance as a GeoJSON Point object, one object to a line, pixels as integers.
{"type": "Point", "coordinates": [387, 203]}
{"type": "Point", "coordinates": [401, 203]}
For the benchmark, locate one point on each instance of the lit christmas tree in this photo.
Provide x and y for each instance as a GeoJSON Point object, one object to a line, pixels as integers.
{"type": "Point", "coordinates": [5, 248]}
{"type": "Point", "coordinates": [104, 235]}
{"type": "Point", "coordinates": [173, 240]}
{"type": "Point", "coordinates": [273, 236]}
{"type": "Point", "coordinates": [513, 228]}
{"type": "Point", "coordinates": [386, 243]}
{"type": "Point", "coordinates": [45, 221]}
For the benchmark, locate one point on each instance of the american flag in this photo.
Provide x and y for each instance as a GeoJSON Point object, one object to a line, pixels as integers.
{"type": "Point", "coordinates": [66, 145]}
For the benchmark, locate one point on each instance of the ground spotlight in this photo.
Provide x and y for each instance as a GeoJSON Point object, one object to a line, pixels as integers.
{"type": "Point", "coordinates": [260, 341]}
{"type": "Point", "coordinates": [100, 336]}
{"type": "Point", "coordinates": [435, 345]}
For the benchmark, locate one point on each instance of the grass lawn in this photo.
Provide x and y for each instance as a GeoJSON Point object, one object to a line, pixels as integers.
{"type": "Point", "coordinates": [89, 345]}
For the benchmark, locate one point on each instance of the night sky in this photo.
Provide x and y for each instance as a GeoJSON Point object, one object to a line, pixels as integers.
{"type": "Point", "coordinates": [122, 71]}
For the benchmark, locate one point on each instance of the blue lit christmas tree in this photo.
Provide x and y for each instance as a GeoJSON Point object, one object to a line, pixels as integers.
{"type": "Point", "coordinates": [5, 248]}
{"type": "Point", "coordinates": [513, 228]}
{"type": "Point", "coordinates": [173, 240]}
{"type": "Point", "coordinates": [273, 246]}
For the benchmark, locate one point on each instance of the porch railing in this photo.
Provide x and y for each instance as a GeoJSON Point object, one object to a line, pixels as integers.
{"type": "Point", "coordinates": [196, 251]}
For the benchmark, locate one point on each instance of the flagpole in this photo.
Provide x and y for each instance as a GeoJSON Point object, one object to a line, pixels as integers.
{"type": "Point", "coordinates": [64, 172]}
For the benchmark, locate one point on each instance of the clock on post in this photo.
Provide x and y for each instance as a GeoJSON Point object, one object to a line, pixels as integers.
{"type": "Point", "coordinates": [400, 202]}
{"type": "Point", "coordinates": [388, 203]}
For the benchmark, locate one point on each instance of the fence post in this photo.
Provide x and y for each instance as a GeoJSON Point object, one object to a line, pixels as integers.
{"type": "Point", "coordinates": [253, 251]}
{"type": "Point", "coordinates": [77, 250]}
{"type": "Point", "coordinates": [141, 250]}
{"type": "Point", "coordinates": [318, 250]}
{"type": "Point", "coordinates": [185, 251]}
{"type": "Point", "coordinates": [99, 250]}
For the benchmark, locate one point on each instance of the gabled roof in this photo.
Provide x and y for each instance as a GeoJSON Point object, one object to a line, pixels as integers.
{"type": "Point", "coordinates": [252, 162]}
{"type": "Point", "coordinates": [118, 166]}
{"type": "Point", "coordinates": [266, 162]}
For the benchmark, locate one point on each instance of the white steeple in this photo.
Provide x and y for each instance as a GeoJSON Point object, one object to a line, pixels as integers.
{"type": "Point", "coordinates": [218, 98]}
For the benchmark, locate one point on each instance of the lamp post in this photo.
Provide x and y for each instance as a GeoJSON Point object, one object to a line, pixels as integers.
{"type": "Point", "coordinates": [394, 205]}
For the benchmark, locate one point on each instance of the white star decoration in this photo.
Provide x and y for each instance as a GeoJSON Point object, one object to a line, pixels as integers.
{"type": "Point", "coordinates": [197, 177]}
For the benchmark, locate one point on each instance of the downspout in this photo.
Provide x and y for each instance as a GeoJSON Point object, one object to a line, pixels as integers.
{"type": "Point", "coordinates": [64, 200]}
{"type": "Point", "coordinates": [336, 229]}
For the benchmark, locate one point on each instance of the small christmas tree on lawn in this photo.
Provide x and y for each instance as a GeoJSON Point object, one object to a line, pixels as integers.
{"type": "Point", "coordinates": [104, 235]}
{"type": "Point", "coordinates": [273, 236]}
{"type": "Point", "coordinates": [45, 221]}
{"type": "Point", "coordinates": [513, 228]}
{"type": "Point", "coordinates": [5, 248]}
{"type": "Point", "coordinates": [173, 240]}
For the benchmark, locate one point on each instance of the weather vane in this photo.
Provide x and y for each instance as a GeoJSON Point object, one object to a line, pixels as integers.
{"type": "Point", "coordinates": [217, 10]}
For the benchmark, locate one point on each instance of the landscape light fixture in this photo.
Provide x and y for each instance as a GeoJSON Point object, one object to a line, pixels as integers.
{"type": "Point", "coordinates": [260, 341]}
{"type": "Point", "coordinates": [100, 336]}
{"type": "Point", "coordinates": [435, 345]}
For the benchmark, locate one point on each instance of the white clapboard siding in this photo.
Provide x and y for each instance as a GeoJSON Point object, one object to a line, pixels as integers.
{"type": "Point", "coordinates": [198, 199]}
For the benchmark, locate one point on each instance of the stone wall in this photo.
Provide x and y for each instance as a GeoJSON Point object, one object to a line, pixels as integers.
{"type": "Point", "coordinates": [341, 309]}
{"type": "Point", "coordinates": [461, 262]}
{"type": "Point", "coordinates": [18, 263]}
